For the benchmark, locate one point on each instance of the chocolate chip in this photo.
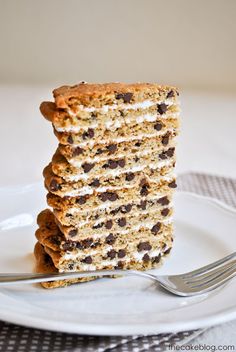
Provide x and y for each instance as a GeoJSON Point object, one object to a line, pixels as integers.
{"type": "Point", "coordinates": [71, 266]}
{"type": "Point", "coordinates": [143, 182]}
{"type": "Point", "coordinates": [81, 200]}
{"type": "Point", "coordinates": [115, 211]}
{"type": "Point", "coordinates": [112, 164]}
{"type": "Point", "coordinates": [121, 162]}
{"type": "Point", "coordinates": [156, 228]}
{"type": "Point", "coordinates": [170, 94]}
{"type": "Point", "coordinates": [112, 148]}
{"type": "Point", "coordinates": [54, 186]}
{"type": "Point", "coordinates": [121, 222]}
{"type": "Point", "coordinates": [85, 135]}
{"type": "Point", "coordinates": [161, 108]}
{"type": "Point", "coordinates": [144, 246]}
{"type": "Point", "coordinates": [95, 244]}
{"type": "Point", "coordinates": [99, 151]}
{"type": "Point", "coordinates": [157, 258]}
{"type": "Point", "coordinates": [111, 254]}
{"type": "Point", "coordinates": [87, 167]}
{"type": "Point", "coordinates": [121, 253]}
{"type": "Point", "coordinates": [158, 126]}
{"type": "Point", "coordinates": [146, 258]}
{"type": "Point", "coordinates": [88, 260]}
{"type": "Point", "coordinates": [172, 184]}
{"type": "Point", "coordinates": [72, 233]}
{"type": "Point", "coordinates": [163, 156]}
{"type": "Point", "coordinates": [95, 183]}
{"type": "Point", "coordinates": [103, 197]}
{"type": "Point", "coordinates": [165, 212]}
{"type": "Point", "coordinates": [138, 144]}
{"type": "Point", "coordinates": [163, 201]}
{"type": "Point", "coordinates": [110, 239]}
{"type": "Point", "coordinates": [119, 96]}
{"type": "Point", "coordinates": [68, 245]}
{"type": "Point", "coordinates": [120, 265]}
{"type": "Point", "coordinates": [108, 196]}
{"type": "Point", "coordinates": [136, 159]}
{"type": "Point", "coordinates": [144, 191]}
{"type": "Point", "coordinates": [126, 97]}
{"type": "Point", "coordinates": [98, 226]}
{"type": "Point", "coordinates": [143, 204]}
{"type": "Point", "coordinates": [167, 250]}
{"type": "Point", "coordinates": [55, 240]}
{"type": "Point", "coordinates": [79, 245]}
{"type": "Point", "coordinates": [87, 243]}
{"type": "Point", "coordinates": [77, 151]}
{"type": "Point", "coordinates": [88, 134]}
{"type": "Point", "coordinates": [130, 176]}
{"type": "Point", "coordinates": [170, 152]}
{"type": "Point", "coordinates": [126, 209]}
{"type": "Point", "coordinates": [108, 224]}
{"type": "Point", "coordinates": [70, 139]}
{"type": "Point", "coordinates": [93, 115]}
{"type": "Point", "coordinates": [165, 139]}
{"type": "Point", "coordinates": [112, 196]}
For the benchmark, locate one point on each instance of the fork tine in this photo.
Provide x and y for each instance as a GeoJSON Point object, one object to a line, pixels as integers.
{"type": "Point", "coordinates": [209, 267]}
{"type": "Point", "coordinates": [209, 274]}
{"type": "Point", "coordinates": [221, 282]}
{"type": "Point", "coordinates": [217, 279]}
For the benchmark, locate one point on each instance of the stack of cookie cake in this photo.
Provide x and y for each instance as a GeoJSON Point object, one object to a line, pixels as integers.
{"type": "Point", "coordinates": [111, 179]}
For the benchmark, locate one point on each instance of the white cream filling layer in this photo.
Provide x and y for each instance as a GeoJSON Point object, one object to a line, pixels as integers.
{"type": "Point", "coordinates": [114, 173]}
{"type": "Point", "coordinates": [89, 190]}
{"type": "Point", "coordinates": [105, 108]}
{"type": "Point", "coordinates": [75, 210]}
{"type": "Point", "coordinates": [111, 124]}
{"type": "Point", "coordinates": [97, 159]}
{"type": "Point", "coordinates": [137, 256]}
{"type": "Point", "coordinates": [78, 256]}
{"type": "Point", "coordinates": [90, 143]}
{"type": "Point", "coordinates": [165, 221]}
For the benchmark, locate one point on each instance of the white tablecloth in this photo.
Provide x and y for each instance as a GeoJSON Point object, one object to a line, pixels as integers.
{"type": "Point", "coordinates": [207, 143]}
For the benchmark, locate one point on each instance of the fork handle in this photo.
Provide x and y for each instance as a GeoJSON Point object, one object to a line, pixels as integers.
{"type": "Point", "coordinates": [8, 279]}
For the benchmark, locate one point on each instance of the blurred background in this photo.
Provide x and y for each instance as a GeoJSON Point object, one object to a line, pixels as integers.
{"type": "Point", "coordinates": [190, 43]}
{"type": "Point", "coordinates": [187, 43]}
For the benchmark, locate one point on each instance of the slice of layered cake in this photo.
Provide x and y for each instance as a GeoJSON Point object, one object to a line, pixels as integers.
{"type": "Point", "coordinates": [111, 179]}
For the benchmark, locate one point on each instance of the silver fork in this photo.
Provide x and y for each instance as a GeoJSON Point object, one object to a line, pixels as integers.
{"type": "Point", "coordinates": [196, 282]}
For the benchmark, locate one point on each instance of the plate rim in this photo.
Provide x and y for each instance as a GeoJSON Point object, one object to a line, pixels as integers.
{"type": "Point", "coordinates": [120, 330]}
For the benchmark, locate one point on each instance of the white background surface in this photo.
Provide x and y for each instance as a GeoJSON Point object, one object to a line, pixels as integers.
{"type": "Point", "coordinates": [189, 43]}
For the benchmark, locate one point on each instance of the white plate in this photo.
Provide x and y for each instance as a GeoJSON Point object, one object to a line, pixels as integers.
{"type": "Point", "coordinates": [205, 231]}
